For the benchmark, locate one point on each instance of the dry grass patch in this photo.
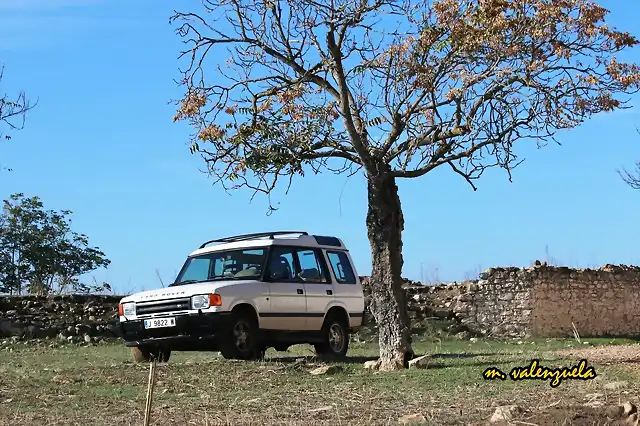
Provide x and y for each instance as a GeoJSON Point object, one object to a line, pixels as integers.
{"type": "Point", "coordinates": [100, 385]}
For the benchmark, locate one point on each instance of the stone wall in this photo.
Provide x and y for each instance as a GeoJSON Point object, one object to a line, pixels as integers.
{"type": "Point", "coordinates": [72, 318]}
{"type": "Point", "coordinates": [550, 301]}
{"type": "Point", "coordinates": [537, 301]}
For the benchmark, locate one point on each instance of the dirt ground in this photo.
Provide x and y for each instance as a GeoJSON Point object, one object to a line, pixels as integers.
{"type": "Point", "coordinates": [605, 355]}
{"type": "Point", "coordinates": [576, 415]}
{"type": "Point", "coordinates": [600, 409]}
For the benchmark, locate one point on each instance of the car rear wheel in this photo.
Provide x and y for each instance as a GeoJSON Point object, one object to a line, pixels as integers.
{"type": "Point", "coordinates": [335, 339]}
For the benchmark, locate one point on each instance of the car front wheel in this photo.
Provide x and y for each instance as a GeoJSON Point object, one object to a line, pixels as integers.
{"type": "Point", "coordinates": [241, 342]}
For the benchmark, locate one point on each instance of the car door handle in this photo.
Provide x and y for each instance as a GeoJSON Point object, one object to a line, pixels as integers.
{"type": "Point", "coordinates": [329, 292]}
{"type": "Point", "coordinates": [299, 291]}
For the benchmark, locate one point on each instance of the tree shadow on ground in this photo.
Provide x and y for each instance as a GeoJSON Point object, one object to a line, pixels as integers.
{"type": "Point", "coordinates": [464, 355]}
{"type": "Point", "coordinates": [363, 359]}
{"type": "Point", "coordinates": [311, 358]}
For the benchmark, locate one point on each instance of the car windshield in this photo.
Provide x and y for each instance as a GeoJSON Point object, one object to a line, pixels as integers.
{"type": "Point", "coordinates": [245, 264]}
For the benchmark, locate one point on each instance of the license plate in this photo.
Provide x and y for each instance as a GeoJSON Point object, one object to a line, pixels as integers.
{"type": "Point", "coordinates": [160, 322]}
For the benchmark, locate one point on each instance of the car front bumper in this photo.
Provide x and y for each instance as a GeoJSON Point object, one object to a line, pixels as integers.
{"type": "Point", "coordinates": [191, 332]}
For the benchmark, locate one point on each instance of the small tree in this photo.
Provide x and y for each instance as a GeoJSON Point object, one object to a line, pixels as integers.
{"type": "Point", "coordinates": [393, 88]}
{"type": "Point", "coordinates": [39, 251]}
{"type": "Point", "coordinates": [13, 110]}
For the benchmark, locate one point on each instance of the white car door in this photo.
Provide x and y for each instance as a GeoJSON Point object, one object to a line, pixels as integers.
{"type": "Point", "coordinates": [347, 288]}
{"type": "Point", "coordinates": [288, 306]}
{"type": "Point", "coordinates": [317, 285]}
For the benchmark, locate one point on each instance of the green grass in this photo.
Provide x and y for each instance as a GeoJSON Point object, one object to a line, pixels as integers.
{"type": "Point", "coordinates": [94, 385]}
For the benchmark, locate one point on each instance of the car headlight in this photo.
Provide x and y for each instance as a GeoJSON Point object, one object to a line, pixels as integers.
{"type": "Point", "coordinates": [127, 309]}
{"type": "Point", "coordinates": [204, 301]}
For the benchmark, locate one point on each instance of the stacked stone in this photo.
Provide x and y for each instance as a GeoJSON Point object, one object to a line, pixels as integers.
{"type": "Point", "coordinates": [70, 318]}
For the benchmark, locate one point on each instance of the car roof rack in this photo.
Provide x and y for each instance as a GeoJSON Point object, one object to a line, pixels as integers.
{"type": "Point", "coordinates": [245, 237]}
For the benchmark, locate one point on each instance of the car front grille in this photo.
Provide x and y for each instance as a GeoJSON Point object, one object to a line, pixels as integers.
{"type": "Point", "coordinates": [161, 306]}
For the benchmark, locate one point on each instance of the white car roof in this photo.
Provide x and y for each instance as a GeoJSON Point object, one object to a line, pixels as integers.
{"type": "Point", "coordinates": [265, 239]}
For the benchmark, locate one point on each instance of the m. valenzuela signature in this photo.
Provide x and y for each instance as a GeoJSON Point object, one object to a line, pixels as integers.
{"type": "Point", "coordinates": [535, 371]}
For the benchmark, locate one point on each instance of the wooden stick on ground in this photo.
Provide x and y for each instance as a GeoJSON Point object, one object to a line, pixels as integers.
{"type": "Point", "coordinates": [150, 386]}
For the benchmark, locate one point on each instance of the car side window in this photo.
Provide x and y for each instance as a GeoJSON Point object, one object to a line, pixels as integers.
{"type": "Point", "coordinates": [313, 269]}
{"type": "Point", "coordinates": [341, 267]}
{"type": "Point", "coordinates": [239, 263]}
{"type": "Point", "coordinates": [281, 266]}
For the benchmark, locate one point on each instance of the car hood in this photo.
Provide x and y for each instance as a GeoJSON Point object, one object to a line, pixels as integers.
{"type": "Point", "coordinates": [185, 290]}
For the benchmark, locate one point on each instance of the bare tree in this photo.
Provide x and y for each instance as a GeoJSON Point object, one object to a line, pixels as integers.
{"type": "Point", "coordinates": [394, 89]}
{"type": "Point", "coordinates": [13, 110]}
{"type": "Point", "coordinates": [631, 178]}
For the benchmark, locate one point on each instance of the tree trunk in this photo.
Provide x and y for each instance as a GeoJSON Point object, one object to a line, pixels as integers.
{"type": "Point", "coordinates": [388, 300]}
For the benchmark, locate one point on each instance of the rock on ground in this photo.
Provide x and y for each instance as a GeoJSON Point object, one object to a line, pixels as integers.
{"type": "Point", "coordinates": [420, 362]}
{"type": "Point", "coordinates": [410, 419]}
{"type": "Point", "coordinates": [326, 369]}
{"type": "Point", "coordinates": [505, 413]}
{"type": "Point", "coordinates": [371, 365]}
{"type": "Point", "coordinates": [612, 386]}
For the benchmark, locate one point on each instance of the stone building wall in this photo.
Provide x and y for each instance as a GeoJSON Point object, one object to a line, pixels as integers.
{"type": "Point", "coordinates": [602, 302]}
{"type": "Point", "coordinates": [547, 301]}
{"type": "Point", "coordinates": [536, 301]}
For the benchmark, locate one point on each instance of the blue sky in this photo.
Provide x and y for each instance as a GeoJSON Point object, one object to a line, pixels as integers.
{"type": "Point", "coordinates": [102, 143]}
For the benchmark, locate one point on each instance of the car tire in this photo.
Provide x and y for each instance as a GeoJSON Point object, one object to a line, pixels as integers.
{"type": "Point", "coordinates": [335, 339]}
{"type": "Point", "coordinates": [242, 339]}
{"type": "Point", "coordinates": [262, 352]}
{"type": "Point", "coordinates": [163, 354]}
{"type": "Point", "coordinates": [281, 348]}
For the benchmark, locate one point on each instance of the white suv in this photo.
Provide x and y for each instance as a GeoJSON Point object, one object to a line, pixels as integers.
{"type": "Point", "coordinates": [248, 293]}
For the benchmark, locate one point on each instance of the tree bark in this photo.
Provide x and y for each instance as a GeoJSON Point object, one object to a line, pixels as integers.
{"type": "Point", "coordinates": [388, 304]}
